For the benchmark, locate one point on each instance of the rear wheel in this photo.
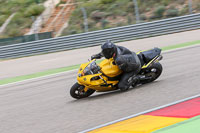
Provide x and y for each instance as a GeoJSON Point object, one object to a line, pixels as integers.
{"type": "Point", "coordinates": [154, 72]}
{"type": "Point", "coordinates": [77, 91]}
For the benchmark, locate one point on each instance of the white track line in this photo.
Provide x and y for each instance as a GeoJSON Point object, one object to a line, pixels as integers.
{"type": "Point", "coordinates": [134, 115]}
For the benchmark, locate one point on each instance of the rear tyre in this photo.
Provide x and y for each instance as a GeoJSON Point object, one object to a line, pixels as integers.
{"type": "Point", "coordinates": [154, 72]}
{"type": "Point", "coordinates": [77, 91]}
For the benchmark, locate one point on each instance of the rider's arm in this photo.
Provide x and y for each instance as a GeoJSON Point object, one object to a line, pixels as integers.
{"type": "Point", "coordinates": [97, 56]}
{"type": "Point", "coordinates": [121, 62]}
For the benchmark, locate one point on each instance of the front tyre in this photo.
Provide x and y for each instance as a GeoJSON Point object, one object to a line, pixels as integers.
{"type": "Point", "coordinates": [77, 91]}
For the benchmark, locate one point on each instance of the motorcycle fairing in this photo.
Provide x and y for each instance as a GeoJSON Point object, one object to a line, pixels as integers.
{"type": "Point", "coordinates": [93, 81]}
{"type": "Point", "coordinates": [109, 69]}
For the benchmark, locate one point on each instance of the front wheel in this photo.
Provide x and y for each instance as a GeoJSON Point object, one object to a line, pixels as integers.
{"type": "Point", "coordinates": [77, 91]}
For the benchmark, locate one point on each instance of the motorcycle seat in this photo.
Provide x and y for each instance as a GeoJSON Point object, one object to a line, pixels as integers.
{"type": "Point", "coordinates": [150, 54]}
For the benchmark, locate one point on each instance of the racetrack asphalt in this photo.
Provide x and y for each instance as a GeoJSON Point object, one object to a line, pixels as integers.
{"type": "Point", "coordinates": [34, 64]}
{"type": "Point", "coordinates": [46, 106]}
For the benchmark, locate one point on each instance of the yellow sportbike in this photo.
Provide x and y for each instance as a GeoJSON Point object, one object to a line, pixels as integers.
{"type": "Point", "coordinates": [106, 75]}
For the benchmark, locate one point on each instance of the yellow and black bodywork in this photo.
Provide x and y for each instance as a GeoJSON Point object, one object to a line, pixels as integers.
{"type": "Point", "coordinates": [100, 81]}
{"type": "Point", "coordinates": [105, 76]}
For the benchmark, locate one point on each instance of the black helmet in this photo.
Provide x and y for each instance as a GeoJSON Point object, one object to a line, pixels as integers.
{"type": "Point", "coordinates": [108, 49]}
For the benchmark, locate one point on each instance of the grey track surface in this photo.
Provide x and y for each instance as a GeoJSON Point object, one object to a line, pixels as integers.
{"type": "Point", "coordinates": [29, 65]}
{"type": "Point", "coordinates": [45, 106]}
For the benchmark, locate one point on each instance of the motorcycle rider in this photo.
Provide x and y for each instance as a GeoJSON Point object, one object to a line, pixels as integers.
{"type": "Point", "coordinates": [126, 60]}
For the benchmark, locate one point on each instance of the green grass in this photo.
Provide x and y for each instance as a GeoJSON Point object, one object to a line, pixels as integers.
{"type": "Point", "coordinates": [39, 74]}
{"type": "Point", "coordinates": [22, 20]}
{"type": "Point", "coordinates": [64, 69]}
{"type": "Point", "coordinates": [180, 45]}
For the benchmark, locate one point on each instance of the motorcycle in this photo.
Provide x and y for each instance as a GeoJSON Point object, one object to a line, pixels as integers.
{"type": "Point", "coordinates": [106, 75]}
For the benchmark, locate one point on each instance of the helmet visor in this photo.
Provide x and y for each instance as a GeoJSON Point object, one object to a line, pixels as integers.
{"type": "Point", "coordinates": [108, 53]}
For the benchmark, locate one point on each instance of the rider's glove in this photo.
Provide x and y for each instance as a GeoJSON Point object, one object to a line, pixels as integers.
{"type": "Point", "coordinates": [96, 56]}
{"type": "Point", "coordinates": [93, 57]}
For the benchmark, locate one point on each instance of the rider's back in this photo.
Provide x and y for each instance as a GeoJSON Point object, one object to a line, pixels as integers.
{"type": "Point", "coordinates": [128, 58]}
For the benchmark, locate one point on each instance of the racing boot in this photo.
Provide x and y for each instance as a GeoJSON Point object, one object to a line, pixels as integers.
{"type": "Point", "coordinates": [135, 80]}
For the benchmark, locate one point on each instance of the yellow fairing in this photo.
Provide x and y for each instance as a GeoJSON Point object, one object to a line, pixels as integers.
{"type": "Point", "coordinates": [109, 69]}
{"type": "Point", "coordinates": [98, 84]}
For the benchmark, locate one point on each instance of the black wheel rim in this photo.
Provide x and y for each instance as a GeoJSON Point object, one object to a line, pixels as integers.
{"type": "Point", "coordinates": [153, 74]}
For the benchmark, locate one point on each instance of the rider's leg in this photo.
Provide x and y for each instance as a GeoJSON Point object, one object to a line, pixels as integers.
{"type": "Point", "coordinates": [124, 83]}
{"type": "Point", "coordinates": [127, 79]}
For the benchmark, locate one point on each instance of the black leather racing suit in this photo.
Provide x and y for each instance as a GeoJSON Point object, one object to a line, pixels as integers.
{"type": "Point", "coordinates": [128, 62]}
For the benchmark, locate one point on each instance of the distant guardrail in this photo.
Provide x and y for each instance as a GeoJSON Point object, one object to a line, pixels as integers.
{"type": "Point", "coordinates": [131, 32]}
{"type": "Point", "coordinates": [26, 38]}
